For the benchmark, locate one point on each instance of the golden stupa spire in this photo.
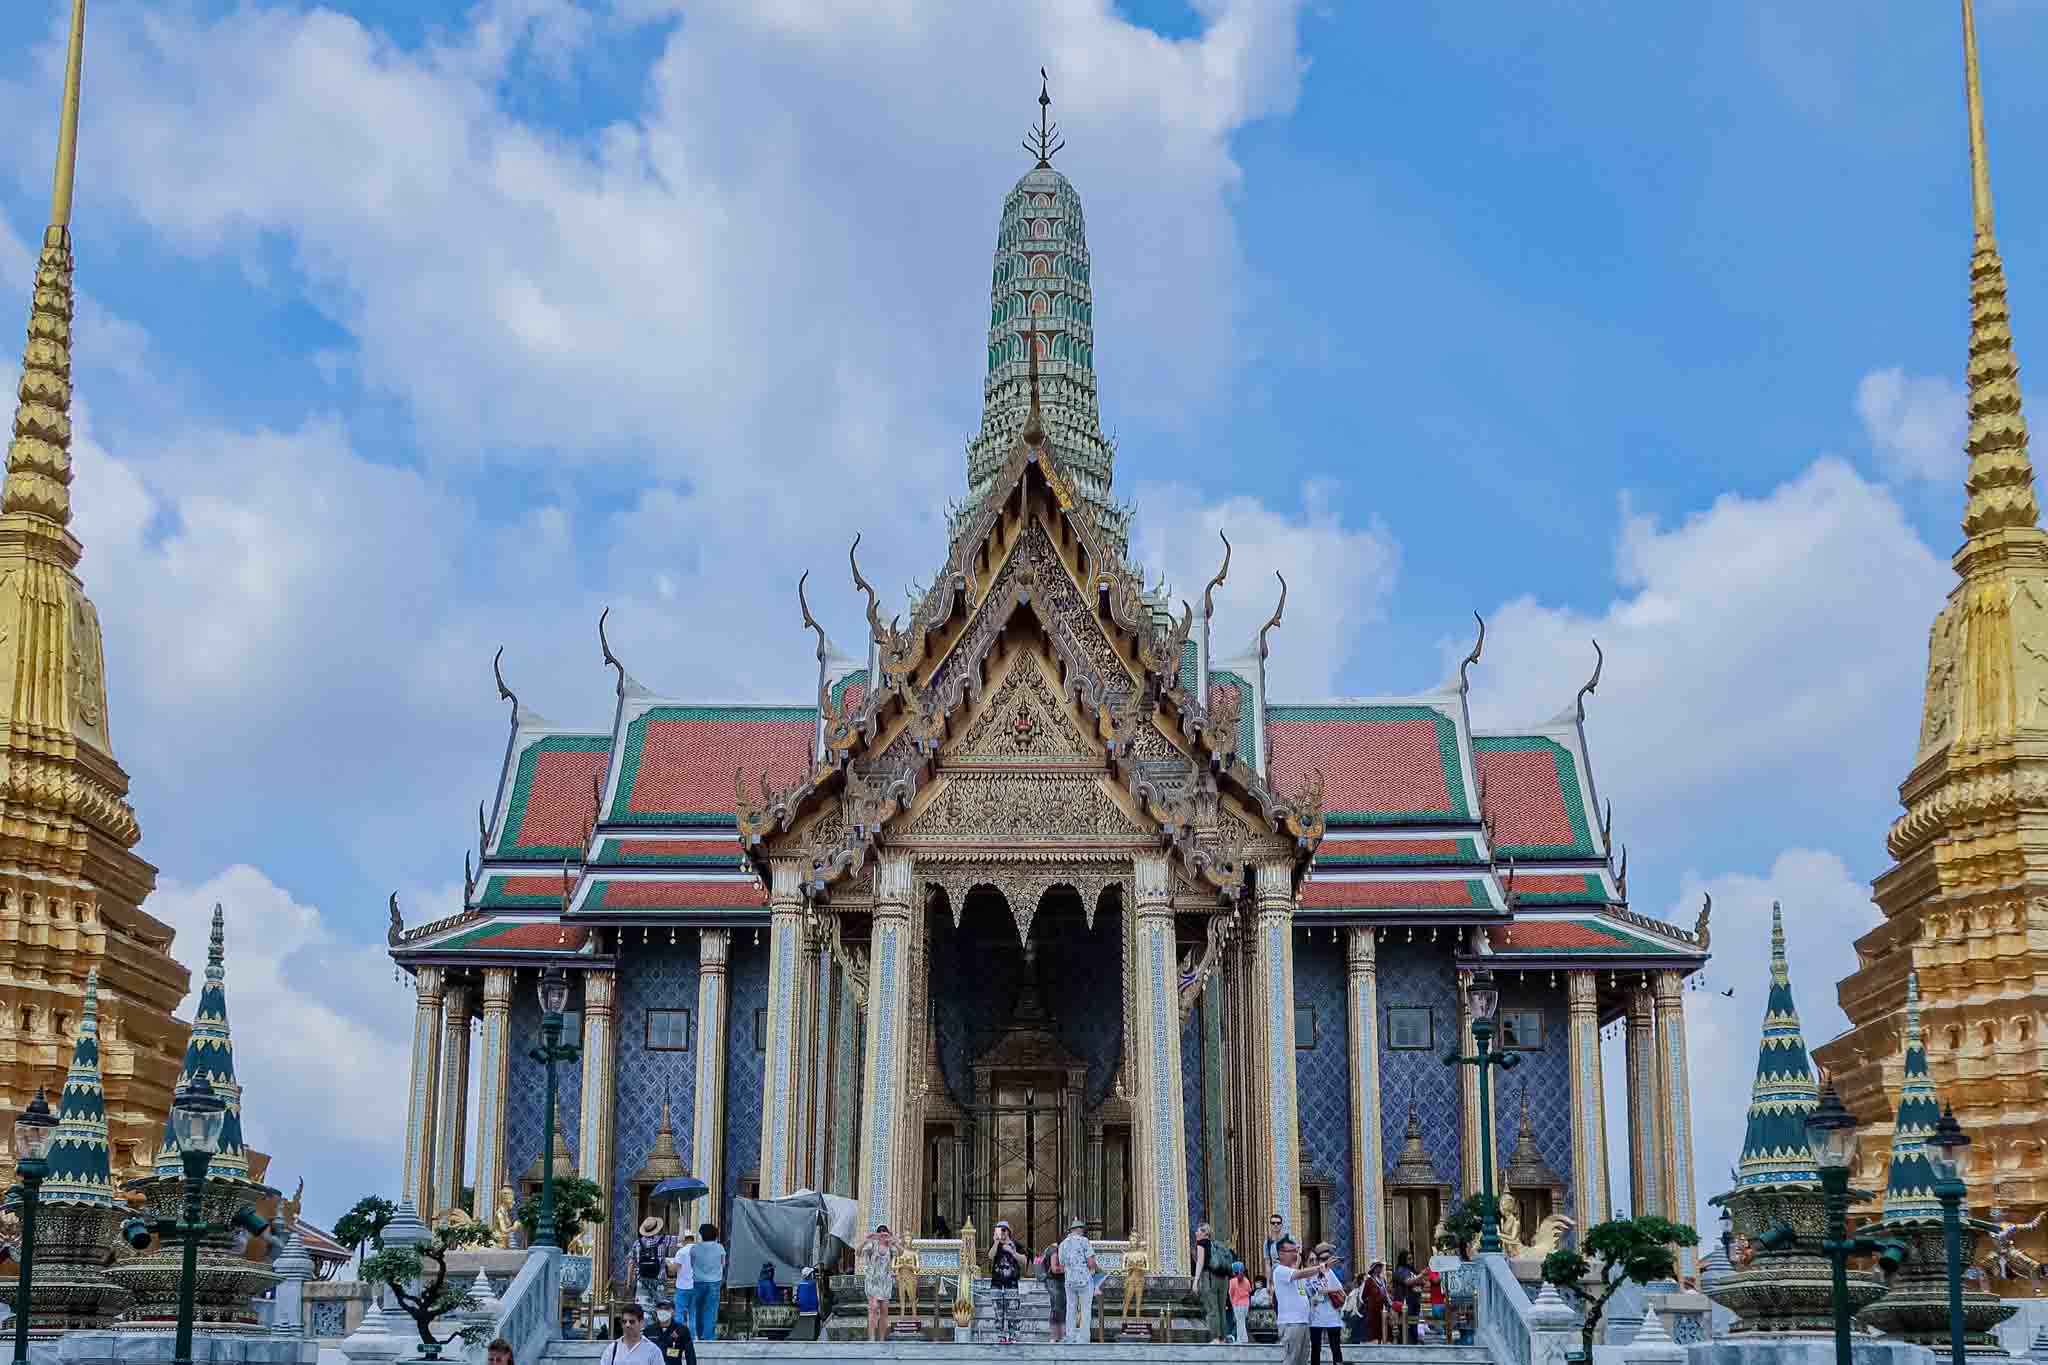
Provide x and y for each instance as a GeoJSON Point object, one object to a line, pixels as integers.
{"type": "Point", "coordinates": [39, 456]}
{"type": "Point", "coordinates": [2001, 478]}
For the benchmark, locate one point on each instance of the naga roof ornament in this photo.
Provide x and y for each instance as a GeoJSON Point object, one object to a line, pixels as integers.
{"type": "Point", "coordinates": [1774, 1148]}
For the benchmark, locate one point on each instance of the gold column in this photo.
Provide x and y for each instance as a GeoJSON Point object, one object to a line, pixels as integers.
{"type": "Point", "coordinates": [1645, 1130]}
{"type": "Point", "coordinates": [451, 1123]}
{"type": "Point", "coordinates": [889, 1035]}
{"type": "Point", "coordinates": [707, 1124]}
{"type": "Point", "coordinates": [494, 1074]}
{"type": "Point", "coordinates": [426, 1085]}
{"type": "Point", "coordinates": [1674, 1108]}
{"type": "Point", "coordinates": [1163, 1191]}
{"type": "Point", "coordinates": [594, 1133]}
{"type": "Point", "coordinates": [780, 1095]}
{"type": "Point", "coordinates": [1589, 1101]}
{"type": "Point", "coordinates": [848, 1054]}
{"type": "Point", "coordinates": [1362, 1028]}
{"type": "Point", "coordinates": [1470, 1130]}
{"type": "Point", "coordinates": [1279, 1175]}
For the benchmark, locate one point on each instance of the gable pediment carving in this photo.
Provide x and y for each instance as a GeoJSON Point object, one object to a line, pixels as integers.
{"type": "Point", "coordinates": [1022, 806]}
{"type": "Point", "coordinates": [1022, 722]}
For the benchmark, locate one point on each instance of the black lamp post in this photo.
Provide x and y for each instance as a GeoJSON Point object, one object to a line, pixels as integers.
{"type": "Point", "coordinates": [1945, 1155]}
{"type": "Point", "coordinates": [554, 998]}
{"type": "Point", "coordinates": [33, 1129]}
{"type": "Point", "coordinates": [198, 1114]}
{"type": "Point", "coordinates": [1481, 998]}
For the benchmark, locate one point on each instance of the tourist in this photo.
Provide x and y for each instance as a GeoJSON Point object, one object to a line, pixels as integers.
{"type": "Point", "coordinates": [1325, 1292]}
{"type": "Point", "coordinates": [1407, 1296]}
{"type": "Point", "coordinates": [632, 1348]}
{"type": "Point", "coordinates": [1374, 1299]}
{"type": "Point", "coordinates": [766, 1291]}
{"type": "Point", "coordinates": [672, 1336]}
{"type": "Point", "coordinates": [1056, 1289]}
{"type": "Point", "coordinates": [679, 1267]}
{"type": "Point", "coordinates": [1005, 1266]}
{"type": "Point", "coordinates": [647, 1250]}
{"type": "Point", "coordinates": [941, 1228]}
{"type": "Point", "coordinates": [1276, 1229]}
{"type": "Point", "coordinates": [1290, 1305]}
{"type": "Point", "coordinates": [877, 1250]}
{"type": "Point", "coordinates": [498, 1352]}
{"type": "Point", "coordinates": [1077, 1263]}
{"type": "Point", "coordinates": [1241, 1302]}
{"type": "Point", "coordinates": [1209, 1277]}
{"type": "Point", "coordinates": [707, 1273]}
{"type": "Point", "coordinates": [807, 1305]}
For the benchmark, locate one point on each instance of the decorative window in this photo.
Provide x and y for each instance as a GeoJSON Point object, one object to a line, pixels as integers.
{"type": "Point", "coordinates": [668, 1030]}
{"type": "Point", "coordinates": [1521, 1030]}
{"type": "Point", "coordinates": [1039, 343]}
{"type": "Point", "coordinates": [1041, 228]}
{"type": "Point", "coordinates": [1410, 1028]}
{"type": "Point", "coordinates": [760, 1030]}
{"type": "Point", "coordinates": [1043, 201]}
{"type": "Point", "coordinates": [1304, 1026]}
{"type": "Point", "coordinates": [1040, 305]}
{"type": "Point", "coordinates": [1041, 265]}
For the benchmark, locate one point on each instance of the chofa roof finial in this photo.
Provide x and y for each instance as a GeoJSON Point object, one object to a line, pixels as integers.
{"type": "Point", "coordinates": [498, 671]}
{"type": "Point", "coordinates": [397, 930]}
{"type": "Point", "coordinates": [611, 659]}
{"type": "Point", "coordinates": [1209, 593]}
{"type": "Point", "coordinates": [1278, 612]}
{"type": "Point", "coordinates": [1592, 683]}
{"type": "Point", "coordinates": [1478, 648]}
{"type": "Point", "coordinates": [810, 621]}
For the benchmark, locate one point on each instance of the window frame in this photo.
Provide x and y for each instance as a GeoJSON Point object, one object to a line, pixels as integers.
{"type": "Point", "coordinates": [688, 1031]}
{"type": "Point", "coordinates": [1428, 1043]}
{"type": "Point", "coordinates": [1314, 1028]}
{"type": "Point", "coordinates": [1541, 1031]}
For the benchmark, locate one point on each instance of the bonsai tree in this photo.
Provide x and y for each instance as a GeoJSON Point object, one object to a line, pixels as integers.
{"type": "Point", "coordinates": [1464, 1223]}
{"type": "Point", "coordinates": [364, 1224]}
{"type": "Point", "coordinates": [1644, 1250]}
{"type": "Point", "coordinates": [418, 1279]}
{"type": "Point", "coordinates": [577, 1202]}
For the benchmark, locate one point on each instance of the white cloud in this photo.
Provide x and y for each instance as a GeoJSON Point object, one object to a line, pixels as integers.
{"type": "Point", "coordinates": [1826, 910]}
{"type": "Point", "coordinates": [1338, 577]}
{"type": "Point", "coordinates": [1754, 641]}
{"type": "Point", "coordinates": [1916, 424]}
{"type": "Point", "coordinates": [322, 1035]}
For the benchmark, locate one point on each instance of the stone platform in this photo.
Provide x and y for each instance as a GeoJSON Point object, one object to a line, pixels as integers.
{"type": "Point", "coordinates": [1804, 1348]}
{"type": "Point", "coordinates": [144, 1348]}
{"type": "Point", "coordinates": [950, 1353]}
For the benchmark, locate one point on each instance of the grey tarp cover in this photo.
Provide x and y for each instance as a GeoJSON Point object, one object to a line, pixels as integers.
{"type": "Point", "coordinates": [787, 1233]}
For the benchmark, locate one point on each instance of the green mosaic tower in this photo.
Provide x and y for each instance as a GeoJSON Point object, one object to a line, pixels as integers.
{"type": "Point", "coordinates": [1774, 1150]}
{"type": "Point", "coordinates": [1039, 295]}
{"type": "Point", "coordinates": [1909, 1186]}
{"type": "Point", "coordinates": [79, 1168]}
{"type": "Point", "coordinates": [211, 1053]}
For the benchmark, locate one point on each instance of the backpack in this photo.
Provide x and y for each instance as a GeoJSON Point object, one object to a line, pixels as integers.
{"type": "Point", "coordinates": [649, 1251]}
{"type": "Point", "coordinates": [1221, 1258]}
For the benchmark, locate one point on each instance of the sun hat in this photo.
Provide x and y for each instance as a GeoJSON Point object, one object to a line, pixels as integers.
{"type": "Point", "coordinates": [1080, 1223]}
{"type": "Point", "coordinates": [650, 1227]}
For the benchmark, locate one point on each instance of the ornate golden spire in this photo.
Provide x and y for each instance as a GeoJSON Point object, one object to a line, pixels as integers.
{"type": "Point", "coordinates": [39, 457]}
{"type": "Point", "coordinates": [2001, 478]}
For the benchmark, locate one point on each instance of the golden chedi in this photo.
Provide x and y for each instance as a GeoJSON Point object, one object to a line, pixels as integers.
{"type": "Point", "coordinates": [71, 887]}
{"type": "Point", "coordinates": [1966, 901]}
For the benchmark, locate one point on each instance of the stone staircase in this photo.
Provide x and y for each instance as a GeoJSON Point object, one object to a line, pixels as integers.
{"type": "Point", "coordinates": [1039, 1352]}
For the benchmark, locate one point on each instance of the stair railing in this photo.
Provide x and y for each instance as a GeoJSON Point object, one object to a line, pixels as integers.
{"type": "Point", "coordinates": [530, 1314]}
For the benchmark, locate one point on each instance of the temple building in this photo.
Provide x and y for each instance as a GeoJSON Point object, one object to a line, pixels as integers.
{"type": "Point", "coordinates": [71, 885]}
{"type": "Point", "coordinates": [1965, 902]}
{"type": "Point", "coordinates": [1041, 906]}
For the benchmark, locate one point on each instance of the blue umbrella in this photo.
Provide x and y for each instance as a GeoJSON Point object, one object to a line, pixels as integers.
{"type": "Point", "coordinates": [684, 1187]}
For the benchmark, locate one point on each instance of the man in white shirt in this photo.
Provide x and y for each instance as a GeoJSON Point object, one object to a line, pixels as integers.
{"type": "Point", "coordinates": [1290, 1305]}
{"type": "Point", "coordinates": [1077, 1260]}
{"type": "Point", "coordinates": [632, 1348]}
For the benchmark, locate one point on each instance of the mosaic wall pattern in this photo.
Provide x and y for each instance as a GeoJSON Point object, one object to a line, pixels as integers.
{"type": "Point", "coordinates": [1420, 973]}
{"type": "Point", "coordinates": [1545, 1073]}
{"type": "Point", "coordinates": [662, 977]}
{"type": "Point", "coordinates": [526, 1083]}
{"type": "Point", "coordinates": [976, 972]}
{"type": "Point", "coordinates": [1322, 1078]}
{"type": "Point", "coordinates": [1192, 1110]}
{"type": "Point", "coordinates": [746, 984]}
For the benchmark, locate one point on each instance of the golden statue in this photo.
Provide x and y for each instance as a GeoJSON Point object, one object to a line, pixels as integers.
{"type": "Point", "coordinates": [452, 1217]}
{"type": "Point", "coordinates": [1510, 1230]}
{"type": "Point", "coordinates": [1549, 1235]}
{"type": "Point", "coordinates": [905, 1266]}
{"type": "Point", "coordinates": [1136, 1263]}
{"type": "Point", "coordinates": [505, 1219]}
{"type": "Point", "coordinates": [579, 1245]}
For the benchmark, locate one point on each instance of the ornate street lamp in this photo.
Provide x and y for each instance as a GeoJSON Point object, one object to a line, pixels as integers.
{"type": "Point", "coordinates": [1481, 998]}
{"type": "Point", "coordinates": [33, 1129]}
{"type": "Point", "coordinates": [1831, 1138]}
{"type": "Point", "coordinates": [198, 1114]}
{"type": "Point", "coordinates": [1945, 1154]}
{"type": "Point", "coordinates": [554, 998]}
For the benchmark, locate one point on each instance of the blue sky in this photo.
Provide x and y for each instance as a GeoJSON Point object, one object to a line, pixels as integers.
{"type": "Point", "coordinates": [411, 329]}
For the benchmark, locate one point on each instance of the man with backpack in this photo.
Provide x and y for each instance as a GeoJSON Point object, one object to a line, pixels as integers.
{"type": "Point", "coordinates": [649, 1250]}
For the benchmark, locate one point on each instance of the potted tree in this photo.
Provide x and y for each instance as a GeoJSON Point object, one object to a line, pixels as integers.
{"type": "Point", "coordinates": [1639, 1250]}
{"type": "Point", "coordinates": [579, 1206]}
{"type": "Point", "coordinates": [1464, 1222]}
{"type": "Point", "coordinates": [417, 1277]}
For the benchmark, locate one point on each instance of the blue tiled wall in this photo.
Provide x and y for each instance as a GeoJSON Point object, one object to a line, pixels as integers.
{"type": "Point", "coordinates": [1545, 1074]}
{"type": "Point", "coordinates": [1322, 1075]}
{"type": "Point", "coordinates": [1420, 973]}
{"type": "Point", "coordinates": [661, 977]}
{"type": "Point", "coordinates": [526, 1083]}
{"type": "Point", "coordinates": [1192, 1110]}
{"type": "Point", "coordinates": [746, 982]}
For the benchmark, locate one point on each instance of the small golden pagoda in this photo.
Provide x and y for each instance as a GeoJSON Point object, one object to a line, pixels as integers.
{"type": "Point", "coordinates": [1966, 900]}
{"type": "Point", "coordinates": [71, 887]}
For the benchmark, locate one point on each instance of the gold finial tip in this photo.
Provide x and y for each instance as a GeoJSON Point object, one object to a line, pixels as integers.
{"type": "Point", "coordinates": [67, 123]}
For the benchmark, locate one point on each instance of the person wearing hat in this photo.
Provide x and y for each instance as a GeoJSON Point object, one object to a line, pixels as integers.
{"type": "Point", "coordinates": [650, 1249]}
{"type": "Point", "coordinates": [1005, 1265]}
{"type": "Point", "coordinates": [877, 1277]}
{"type": "Point", "coordinates": [1077, 1263]}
